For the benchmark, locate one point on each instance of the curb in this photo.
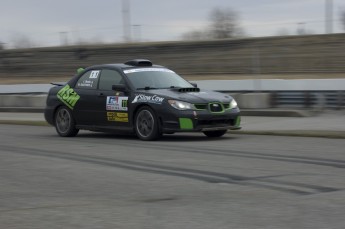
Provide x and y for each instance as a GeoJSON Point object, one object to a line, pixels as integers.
{"type": "Point", "coordinates": [24, 122]}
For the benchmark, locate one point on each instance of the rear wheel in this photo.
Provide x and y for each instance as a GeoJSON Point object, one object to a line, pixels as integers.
{"type": "Point", "coordinates": [215, 133]}
{"type": "Point", "coordinates": [64, 122]}
{"type": "Point", "coordinates": [146, 124]}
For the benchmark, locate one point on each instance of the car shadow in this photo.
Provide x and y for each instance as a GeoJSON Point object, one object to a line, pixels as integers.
{"type": "Point", "coordinates": [177, 137]}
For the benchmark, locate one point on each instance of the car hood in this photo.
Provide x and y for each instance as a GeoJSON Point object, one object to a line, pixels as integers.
{"type": "Point", "coordinates": [189, 95]}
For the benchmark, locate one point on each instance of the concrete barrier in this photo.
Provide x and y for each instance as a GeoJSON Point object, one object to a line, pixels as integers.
{"type": "Point", "coordinates": [268, 55]}
{"type": "Point", "coordinates": [28, 101]}
{"type": "Point", "coordinates": [250, 104]}
{"type": "Point", "coordinates": [249, 100]}
{"type": "Point", "coordinates": [254, 100]}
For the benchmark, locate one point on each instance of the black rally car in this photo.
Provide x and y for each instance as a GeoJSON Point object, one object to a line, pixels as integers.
{"type": "Point", "coordinates": [136, 96]}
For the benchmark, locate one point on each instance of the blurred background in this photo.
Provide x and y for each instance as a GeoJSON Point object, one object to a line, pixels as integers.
{"type": "Point", "coordinates": [200, 39]}
{"type": "Point", "coordinates": [39, 23]}
{"type": "Point", "coordinates": [44, 41]}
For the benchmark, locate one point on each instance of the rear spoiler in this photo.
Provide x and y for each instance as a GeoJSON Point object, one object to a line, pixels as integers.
{"type": "Point", "coordinates": [58, 83]}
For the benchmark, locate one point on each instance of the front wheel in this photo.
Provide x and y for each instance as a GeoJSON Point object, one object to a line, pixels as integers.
{"type": "Point", "coordinates": [146, 124]}
{"type": "Point", "coordinates": [64, 122]}
{"type": "Point", "coordinates": [215, 133]}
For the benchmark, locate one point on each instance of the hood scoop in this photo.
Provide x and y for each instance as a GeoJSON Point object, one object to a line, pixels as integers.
{"type": "Point", "coordinates": [189, 89]}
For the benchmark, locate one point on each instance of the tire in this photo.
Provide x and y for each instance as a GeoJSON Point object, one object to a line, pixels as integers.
{"type": "Point", "coordinates": [215, 133]}
{"type": "Point", "coordinates": [64, 122]}
{"type": "Point", "coordinates": [146, 124]}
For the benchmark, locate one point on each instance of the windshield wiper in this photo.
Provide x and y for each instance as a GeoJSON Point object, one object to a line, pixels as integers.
{"type": "Point", "coordinates": [146, 88]}
{"type": "Point", "coordinates": [171, 87]}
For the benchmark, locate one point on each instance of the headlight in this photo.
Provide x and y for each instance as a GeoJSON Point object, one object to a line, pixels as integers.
{"type": "Point", "coordinates": [233, 104]}
{"type": "Point", "coordinates": [179, 105]}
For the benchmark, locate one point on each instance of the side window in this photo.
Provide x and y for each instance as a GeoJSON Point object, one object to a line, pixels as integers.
{"type": "Point", "coordinates": [109, 78]}
{"type": "Point", "coordinates": [88, 80]}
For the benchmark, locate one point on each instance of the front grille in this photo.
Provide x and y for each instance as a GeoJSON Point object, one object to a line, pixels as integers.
{"type": "Point", "coordinates": [216, 122]}
{"type": "Point", "coordinates": [205, 106]}
{"type": "Point", "coordinates": [216, 107]}
{"type": "Point", "coordinates": [226, 105]}
{"type": "Point", "coordinates": [200, 106]}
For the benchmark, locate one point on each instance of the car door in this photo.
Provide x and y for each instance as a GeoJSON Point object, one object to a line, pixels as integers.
{"type": "Point", "coordinates": [86, 87]}
{"type": "Point", "coordinates": [112, 105]}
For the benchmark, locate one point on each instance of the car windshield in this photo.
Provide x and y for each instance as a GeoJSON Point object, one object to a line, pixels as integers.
{"type": "Point", "coordinates": [155, 78]}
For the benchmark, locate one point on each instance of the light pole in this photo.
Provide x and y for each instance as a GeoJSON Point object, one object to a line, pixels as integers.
{"type": "Point", "coordinates": [301, 28]}
{"type": "Point", "coordinates": [137, 32]}
{"type": "Point", "coordinates": [63, 39]}
{"type": "Point", "coordinates": [329, 16]}
{"type": "Point", "coordinates": [126, 18]}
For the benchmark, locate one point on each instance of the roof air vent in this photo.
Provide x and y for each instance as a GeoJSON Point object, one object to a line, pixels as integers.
{"type": "Point", "coordinates": [139, 62]}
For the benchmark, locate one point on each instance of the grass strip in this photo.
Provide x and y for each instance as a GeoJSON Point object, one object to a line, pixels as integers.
{"type": "Point", "coordinates": [24, 122]}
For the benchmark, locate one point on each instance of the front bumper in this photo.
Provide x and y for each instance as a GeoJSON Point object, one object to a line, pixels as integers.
{"type": "Point", "coordinates": [194, 121]}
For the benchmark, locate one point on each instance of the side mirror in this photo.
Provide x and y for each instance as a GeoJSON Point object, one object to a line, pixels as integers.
{"type": "Point", "coordinates": [194, 84]}
{"type": "Point", "coordinates": [119, 87]}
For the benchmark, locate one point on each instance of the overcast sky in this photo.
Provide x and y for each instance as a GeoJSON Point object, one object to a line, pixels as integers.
{"type": "Point", "coordinates": [52, 22]}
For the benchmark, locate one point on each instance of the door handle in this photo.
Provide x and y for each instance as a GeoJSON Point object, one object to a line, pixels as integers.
{"type": "Point", "coordinates": [101, 95]}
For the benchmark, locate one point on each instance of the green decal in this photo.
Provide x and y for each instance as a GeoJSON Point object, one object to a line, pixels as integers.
{"type": "Point", "coordinates": [68, 96]}
{"type": "Point", "coordinates": [238, 121]}
{"type": "Point", "coordinates": [80, 70]}
{"type": "Point", "coordinates": [186, 123]}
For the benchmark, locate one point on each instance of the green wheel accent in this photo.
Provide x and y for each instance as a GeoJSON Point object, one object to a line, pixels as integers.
{"type": "Point", "coordinates": [186, 123]}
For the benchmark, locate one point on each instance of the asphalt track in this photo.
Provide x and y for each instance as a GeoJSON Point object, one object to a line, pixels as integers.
{"type": "Point", "coordinates": [98, 180]}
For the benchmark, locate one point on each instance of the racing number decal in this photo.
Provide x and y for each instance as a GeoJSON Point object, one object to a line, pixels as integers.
{"type": "Point", "coordinates": [68, 96]}
{"type": "Point", "coordinates": [94, 74]}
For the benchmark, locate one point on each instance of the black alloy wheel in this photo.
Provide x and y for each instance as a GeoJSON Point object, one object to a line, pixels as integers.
{"type": "Point", "coordinates": [64, 122]}
{"type": "Point", "coordinates": [146, 124]}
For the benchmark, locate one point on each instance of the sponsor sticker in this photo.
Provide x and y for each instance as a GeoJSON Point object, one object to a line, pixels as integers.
{"type": "Point", "coordinates": [86, 83]}
{"type": "Point", "coordinates": [68, 96]}
{"type": "Point", "coordinates": [117, 103]}
{"type": "Point", "coordinates": [142, 98]}
{"type": "Point", "coordinates": [128, 71]}
{"type": "Point", "coordinates": [117, 117]}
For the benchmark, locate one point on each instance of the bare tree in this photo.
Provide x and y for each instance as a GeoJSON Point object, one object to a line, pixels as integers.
{"type": "Point", "coordinates": [223, 23]}
{"type": "Point", "coordinates": [20, 41]}
{"type": "Point", "coordinates": [195, 35]}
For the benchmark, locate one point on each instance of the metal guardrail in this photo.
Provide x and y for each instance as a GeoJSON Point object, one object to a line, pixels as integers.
{"type": "Point", "coordinates": [309, 99]}
{"type": "Point", "coordinates": [293, 98]}
{"type": "Point", "coordinates": [312, 93]}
